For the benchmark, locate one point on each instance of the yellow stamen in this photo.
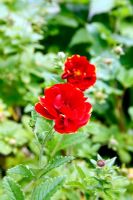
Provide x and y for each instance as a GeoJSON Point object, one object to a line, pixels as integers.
{"type": "Point", "coordinates": [77, 73]}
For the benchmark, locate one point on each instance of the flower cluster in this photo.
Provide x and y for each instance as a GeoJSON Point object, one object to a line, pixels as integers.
{"type": "Point", "coordinates": [65, 103]}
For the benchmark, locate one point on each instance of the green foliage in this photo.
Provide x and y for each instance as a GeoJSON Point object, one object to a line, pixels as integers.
{"type": "Point", "coordinates": [130, 110]}
{"type": "Point", "coordinates": [22, 170]}
{"type": "Point", "coordinates": [126, 75]}
{"type": "Point", "coordinates": [100, 182]}
{"type": "Point", "coordinates": [47, 189]}
{"type": "Point", "coordinates": [56, 162]}
{"type": "Point", "coordinates": [31, 35]}
{"type": "Point", "coordinates": [20, 31]}
{"type": "Point", "coordinates": [44, 186]}
{"type": "Point", "coordinates": [13, 189]}
{"type": "Point", "coordinates": [101, 6]}
{"type": "Point", "coordinates": [79, 39]}
{"type": "Point", "coordinates": [12, 136]}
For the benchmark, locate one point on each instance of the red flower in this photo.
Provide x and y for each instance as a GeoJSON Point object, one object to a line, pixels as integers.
{"type": "Point", "coordinates": [66, 105]}
{"type": "Point", "coordinates": [79, 72]}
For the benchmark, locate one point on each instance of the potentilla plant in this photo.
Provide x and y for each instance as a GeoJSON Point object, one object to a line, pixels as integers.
{"type": "Point", "coordinates": [62, 110]}
{"type": "Point", "coordinates": [65, 103]}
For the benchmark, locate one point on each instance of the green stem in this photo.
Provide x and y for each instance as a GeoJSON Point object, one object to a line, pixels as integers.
{"type": "Point", "coordinates": [40, 156]}
{"type": "Point", "coordinates": [48, 136]}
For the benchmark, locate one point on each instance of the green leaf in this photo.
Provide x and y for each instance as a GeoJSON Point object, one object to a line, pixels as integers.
{"type": "Point", "coordinates": [12, 189]}
{"type": "Point", "coordinates": [42, 128]}
{"type": "Point", "coordinates": [127, 30]}
{"type": "Point", "coordinates": [5, 148]}
{"type": "Point", "coordinates": [124, 155]}
{"type": "Point", "coordinates": [56, 162]}
{"type": "Point", "coordinates": [127, 41]}
{"type": "Point", "coordinates": [81, 173]}
{"type": "Point", "coordinates": [12, 130]}
{"type": "Point", "coordinates": [69, 21]}
{"type": "Point", "coordinates": [76, 184]}
{"type": "Point", "coordinates": [130, 111]}
{"type": "Point", "coordinates": [100, 6]}
{"type": "Point", "coordinates": [81, 36]}
{"type": "Point", "coordinates": [22, 170]}
{"type": "Point", "coordinates": [46, 190]}
{"type": "Point", "coordinates": [42, 125]}
{"type": "Point", "coordinates": [29, 108]}
{"type": "Point", "coordinates": [70, 140]}
{"type": "Point", "coordinates": [125, 77]}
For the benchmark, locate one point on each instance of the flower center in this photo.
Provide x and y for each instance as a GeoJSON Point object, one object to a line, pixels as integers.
{"type": "Point", "coordinates": [77, 72]}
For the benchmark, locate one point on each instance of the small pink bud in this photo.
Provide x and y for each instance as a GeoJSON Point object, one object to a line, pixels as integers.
{"type": "Point", "coordinates": [107, 61]}
{"type": "Point", "coordinates": [100, 163]}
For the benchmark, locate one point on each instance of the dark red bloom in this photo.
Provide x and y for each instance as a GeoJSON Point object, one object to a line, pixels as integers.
{"type": "Point", "coordinates": [79, 72]}
{"type": "Point", "coordinates": [66, 105]}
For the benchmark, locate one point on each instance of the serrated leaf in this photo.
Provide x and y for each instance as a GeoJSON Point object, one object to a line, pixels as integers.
{"type": "Point", "coordinates": [70, 140]}
{"type": "Point", "coordinates": [42, 129]}
{"type": "Point", "coordinates": [56, 162]}
{"type": "Point", "coordinates": [12, 189]}
{"type": "Point", "coordinates": [22, 170]}
{"type": "Point", "coordinates": [42, 125]}
{"type": "Point", "coordinates": [46, 190]}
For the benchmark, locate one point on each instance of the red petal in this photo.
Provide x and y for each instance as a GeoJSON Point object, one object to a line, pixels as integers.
{"type": "Point", "coordinates": [58, 101]}
{"type": "Point", "coordinates": [64, 125]}
{"type": "Point", "coordinates": [43, 111]}
{"type": "Point", "coordinates": [42, 101]}
{"type": "Point", "coordinates": [65, 75]}
{"type": "Point", "coordinates": [84, 120]}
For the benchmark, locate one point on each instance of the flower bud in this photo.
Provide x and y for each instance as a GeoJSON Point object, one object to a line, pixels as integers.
{"type": "Point", "coordinates": [61, 55]}
{"type": "Point", "coordinates": [118, 50]}
{"type": "Point", "coordinates": [107, 61]}
{"type": "Point", "coordinates": [100, 96]}
{"type": "Point", "coordinates": [101, 163]}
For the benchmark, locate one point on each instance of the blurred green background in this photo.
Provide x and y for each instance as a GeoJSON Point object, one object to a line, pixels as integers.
{"type": "Point", "coordinates": [31, 35]}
